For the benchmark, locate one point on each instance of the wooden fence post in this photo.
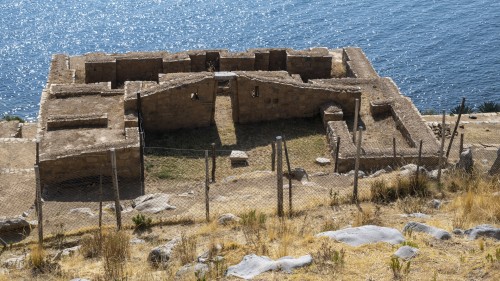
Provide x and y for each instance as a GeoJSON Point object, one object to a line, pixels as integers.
{"type": "Point", "coordinates": [273, 156]}
{"type": "Point", "coordinates": [100, 203]}
{"type": "Point", "coordinates": [441, 152]}
{"type": "Point", "coordinates": [461, 147]}
{"type": "Point", "coordinates": [356, 166]}
{"type": "Point", "coordinates": [213, 162]}
{"type": "Point", "coordinates": [394, 154]}
{"type": "Point", "coordinates": [419, 160]}
{"type": "Point", "coordinates": [355, 126]}
{"type": "Point", "coordinates": [290, 209]}
{"type": "Point", "coordinates": [337, 150]}
{"type": "Point", "coordinates": [39, 207]}
{"type": "Point", "coordinates": [456, 127]}
{"type": "Point", "coordinates": [279, 175]}
{"type": "Point", "coordinates": [207, 187]}
{"type": "Point", "coordinates": [116, 189]}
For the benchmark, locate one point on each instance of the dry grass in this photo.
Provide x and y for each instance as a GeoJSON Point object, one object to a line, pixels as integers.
{"type": "Point", "coordinates": [186, 249]}
{"type": "Point", "coordinates": [115, 252]}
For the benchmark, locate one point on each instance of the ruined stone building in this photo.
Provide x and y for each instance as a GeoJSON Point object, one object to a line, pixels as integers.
{"type": "Point", "coordinates": [90, 103]}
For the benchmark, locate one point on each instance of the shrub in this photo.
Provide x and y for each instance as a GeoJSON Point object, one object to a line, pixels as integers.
{"type": "Point", "coordinates": [252, 224]}
{"type": "Point", "coordinates": [328, 259]}
{"type": "Point", "coordinates": [91, 245]}
{"type": "Point", "coordinates": [115, 252]}
{"type": "Point", "coordinates": [399, 267]}
{"type": "Point", "coordinates": [381, 192]}
{"type": "Point", "coordinates": [186, 249]}
{"type": "Point", "coordinates": [141, 222]}
{"type": "Point", "coordinates": [456, 109]}
{"type": "Point", "coordinates": [9, 117]}
{"type": "Point", "coordinates": [39, 262]}
{"type": "Point", "coordinates": [489, 106]}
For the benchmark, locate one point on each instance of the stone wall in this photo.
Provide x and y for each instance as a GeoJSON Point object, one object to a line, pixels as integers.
{"type": "Point", "coordinates": [262, 98]}
{"type": "Point", "coordinates": [180, 102]}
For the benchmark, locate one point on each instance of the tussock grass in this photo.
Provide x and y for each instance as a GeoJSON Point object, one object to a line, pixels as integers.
{"type": "Point", "coordinates": [186, 249]}
{"type": "Point", "coordinates": [91, 244]}
{"type": "Point", "coordinates": [401, 187]}
{"type": "Point", "coordinates": [115, 252]}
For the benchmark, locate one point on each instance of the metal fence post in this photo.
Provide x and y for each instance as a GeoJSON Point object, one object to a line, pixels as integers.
{"type": "Point", "coordinates": [207, 206]}
{"type": "Point", "coordinates": [116, 189]}
{"type": "Point", "coordinates": [356, 166]}
{"type": "Point", "coordinates": [279, 175]}
{"type": "Point", "coordinates": [39, 206]}
{"type": "Point", "coordinates": [441, 152]}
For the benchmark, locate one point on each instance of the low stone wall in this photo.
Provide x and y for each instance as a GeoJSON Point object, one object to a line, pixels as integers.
{"type": "Point", "coordinates": [77, 121]}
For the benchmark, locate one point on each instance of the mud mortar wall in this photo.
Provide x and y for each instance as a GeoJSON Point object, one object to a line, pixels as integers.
{"type": "Point", "coordinates": [184, 106]}
{"type": "Point", "coordinates": [89, 164]}
{"type": "Point", "coordinates": [277, 100]}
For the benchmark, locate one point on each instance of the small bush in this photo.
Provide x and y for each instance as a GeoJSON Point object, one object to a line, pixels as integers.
{"type": "Point", "coordinates": [367, 217]}
{"type": "Point", "coordinates": [252, 224]}
{"type": "Point", "coordinates": [410, 243]}
{"type": "Point", "coordinates": [91, 245]}
{"type": "Point", "coordinates": [9, 117]}
{"type": "Point", "coordinates": [489, 106]}
{"type": "Point", "coordinates": [186, 249]}
{"type": "Point", "coordinates": [141, 222]}
{"type": "Point", "coordinates": [381, 192]}
{"type": "Point", "coordinates": [328, 259]}
{"type": "Point", "coordinates": [115, 252]}
{"type": "Point", "coordinates": [456, 109]}
{"type": "Point", "coordinates": [399, 268]}
{"type": "Point", "coordinates": [39, 262]}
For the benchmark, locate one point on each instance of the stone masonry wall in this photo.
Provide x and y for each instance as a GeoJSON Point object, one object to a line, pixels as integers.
{"type": "Point", "coordinates": [170, 107]}
{"type": "Point", "coordinates": [280, 100]}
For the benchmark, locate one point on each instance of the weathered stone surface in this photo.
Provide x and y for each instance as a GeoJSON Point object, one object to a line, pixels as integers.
{"type": "Point", "coordinates": [366, 234]}
{"type": "Point", "coordinates": [13, 224]}
{"type": "Point", "coordinates": [253, 265]}
{"type": "Point", "coordinates": [160, 255]}
{"type": "Point", "coordinates": [66, 253]}
{"type": "Point", "coordinates": [300, 174]}
{"type": "Point", "coordinates": [435, 203]}
{"type": "Point", "coordinates": [323, 161]}
{"type": "Point", "coordinates": [495, 168]}
{"type": "Point", "coordinates": [111, 207]}
{"type": "Point", "coordinates": [434, 231]}
{"type": "Point", "coordinates": [483, 230]}
{"type": "Point", "coordinates": [228, 218]}
{"type": "Point", "coordinates": [361, 174]}
{"type": "Point", "coordinates": [378, 173]}
{"type": "Point", "coordinates": [237, 156]}
{"type": "Point", "coordinates": [410, 169]}
{"type": "Point", "coordinates": [15, 262]}
{"type": "Point", "coordinates": [152, 203]}
{"type": "Point", "coordinates": [434, 173]}
{"type": "Point", "coordinates": [136, 240]}
{"type": "Point", "coordinates": [416, 215]}
{"type": "Point", "coordinates": [406, 252]}
{"type": "Point", "coordinates": [466, 162]}
{"type": "Point", "coordinates": [187, 271]}
{"type": "Point", "coordinates": [83, 211]}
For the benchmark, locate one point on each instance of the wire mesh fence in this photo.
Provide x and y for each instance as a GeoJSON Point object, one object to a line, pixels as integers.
{"type": "Point", "coordinates": [187, 184]}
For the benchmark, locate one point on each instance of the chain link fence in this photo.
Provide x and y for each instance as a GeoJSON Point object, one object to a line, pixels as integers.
{"type": "Point", "coordinates": [185, 184]}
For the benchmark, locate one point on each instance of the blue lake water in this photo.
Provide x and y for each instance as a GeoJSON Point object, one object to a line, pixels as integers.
{"type": "Point", "coordinates": [436, 51]}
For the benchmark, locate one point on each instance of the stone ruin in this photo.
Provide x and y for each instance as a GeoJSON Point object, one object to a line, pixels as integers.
{"type": "Point", "coordinates": [90, 104]}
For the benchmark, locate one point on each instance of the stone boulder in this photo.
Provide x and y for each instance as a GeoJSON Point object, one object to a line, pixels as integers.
{"type": "Point", "coordinates": [466, 162]}
{"type": "Point", "coordinates": [187, 271]}
{"type": "Point", "coordinates": [159, 256]}
{"type": "Point", "coordinates": [15, 262]}
{"type": "Point", "coordinates": [152, 203]}
{"type": "Point", "coordinates": [411, 169]}
{"type": "Point", "coordinates": [406, 252]}
{"type": "Point", "coordinates": [366, 234]}
{"type": "Point", "coordinates": [66, 253]}
{"type": "Point", "coordinates": [83, 211]}
{"type": "Point", "coordinates": [299, 174]}
{"type": "Point", "coordinates": [421, 227]}
{"type": "Point", "coordinates": [323, 161]}
{"type": "Point", "coordinates": [238, 157]}
{"type": "Point", "coordinates": [483, 230]}
{"type": "Point", "coordinates": [495, 168]}
{"type": "Point", "coordinates": [13, 224]}
{"type": "Point", "coordinates": [228, 218]}
{"type": "Point", "coordinates": [253, 265]}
